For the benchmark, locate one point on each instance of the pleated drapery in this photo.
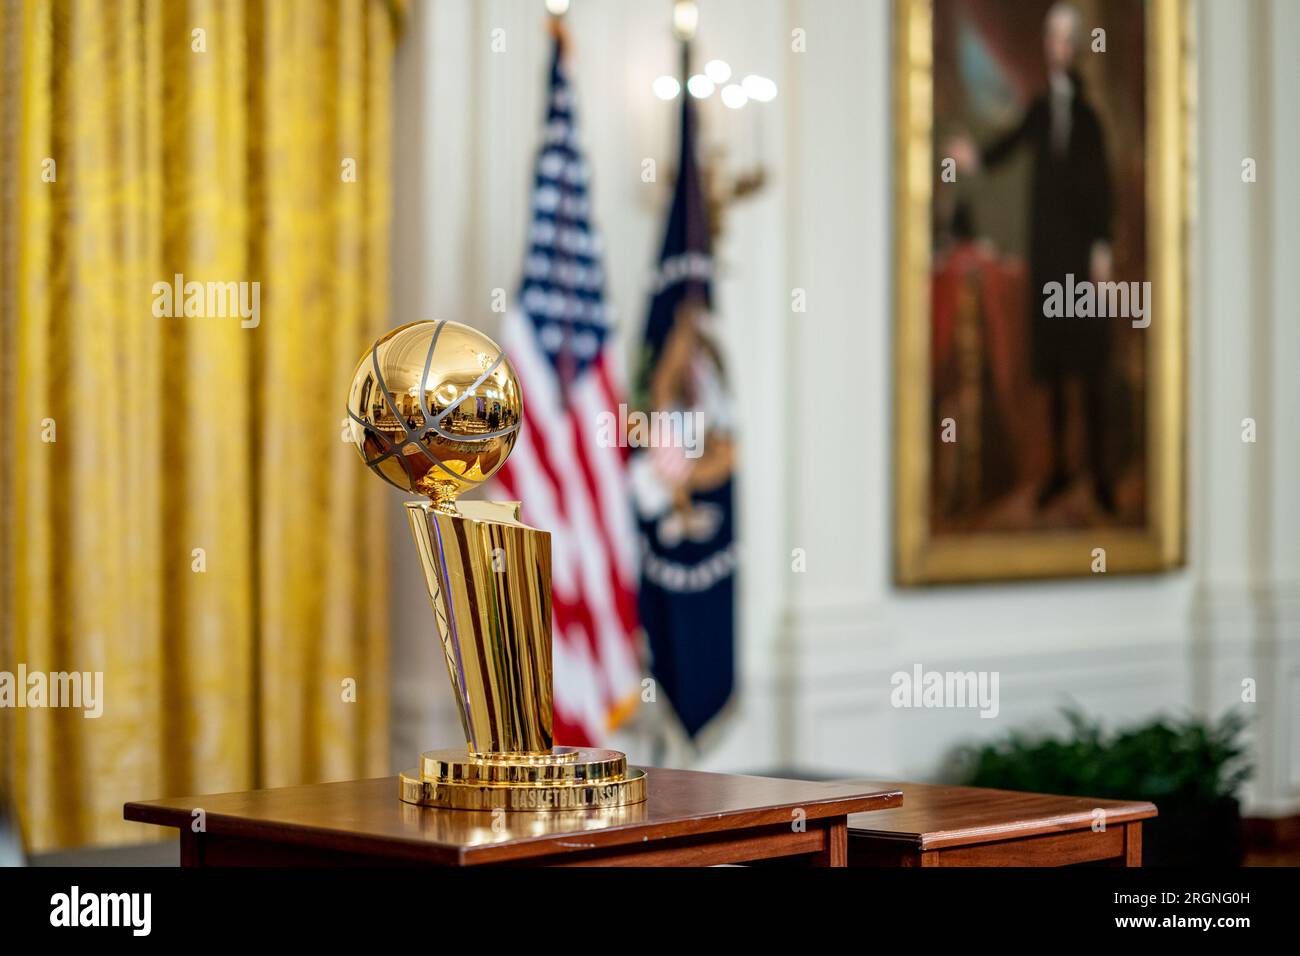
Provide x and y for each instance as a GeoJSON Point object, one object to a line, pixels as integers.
{"type": "Point", "coordinates": [179, 509]}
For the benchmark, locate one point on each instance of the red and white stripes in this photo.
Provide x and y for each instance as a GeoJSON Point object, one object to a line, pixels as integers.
{"type": "Point", "coordinates": [577, 489]}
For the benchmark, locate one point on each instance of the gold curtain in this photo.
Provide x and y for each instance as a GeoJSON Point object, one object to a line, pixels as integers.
{"type": "Point", "coordinates": [179, 510]}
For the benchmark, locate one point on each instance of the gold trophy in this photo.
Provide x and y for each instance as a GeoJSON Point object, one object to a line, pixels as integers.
{"type": "Point", "coordinates": [435, 408]}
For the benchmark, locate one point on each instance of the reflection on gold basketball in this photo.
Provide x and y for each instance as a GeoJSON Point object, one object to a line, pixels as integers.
{"type": "Point", "coordinates": [435, 408]}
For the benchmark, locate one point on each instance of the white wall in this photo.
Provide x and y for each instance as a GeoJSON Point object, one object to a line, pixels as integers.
{"type": "Point", "coordinates": [817, 649]}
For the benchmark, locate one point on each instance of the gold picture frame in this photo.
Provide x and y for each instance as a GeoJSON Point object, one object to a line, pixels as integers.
{"type": "Point", "coordinates": [922, 558]}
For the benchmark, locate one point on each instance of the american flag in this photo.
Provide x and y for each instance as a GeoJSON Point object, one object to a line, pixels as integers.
{"type": "Point", "coordinates": [688, 586]}
{"type": "Point", "coordinates": [558, 338]}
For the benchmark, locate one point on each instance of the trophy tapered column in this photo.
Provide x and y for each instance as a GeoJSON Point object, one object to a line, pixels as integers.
{"type": "Point", "coordinates": [435, 408]}
{"type": "Point", "coordinates": [489, 578]}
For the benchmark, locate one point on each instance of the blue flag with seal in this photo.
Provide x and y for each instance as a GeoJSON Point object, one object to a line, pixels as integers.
{"type": "Point", "coordinates": [681, 471]}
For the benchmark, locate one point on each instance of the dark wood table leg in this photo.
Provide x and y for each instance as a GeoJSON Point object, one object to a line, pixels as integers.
{"type": "Point", "coordinates": [1133, 844]}
{"type": "Point", "coordinates": [836, 851]}
{"type": "Point", "coordinates": [191, 848]}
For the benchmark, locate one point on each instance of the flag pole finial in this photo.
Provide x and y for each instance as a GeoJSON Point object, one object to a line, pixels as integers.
{"type": "Point", "coordinates": [556, 27]}
{"type": "Point", "coordinates": [686, 19]}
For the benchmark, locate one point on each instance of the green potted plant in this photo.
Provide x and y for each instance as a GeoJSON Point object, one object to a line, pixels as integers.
{"type": "Point", "coordinates": [1191, 769]}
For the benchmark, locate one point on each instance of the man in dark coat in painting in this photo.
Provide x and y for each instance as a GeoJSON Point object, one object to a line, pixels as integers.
{"type": "Point", "coordinates": [1069, 234]}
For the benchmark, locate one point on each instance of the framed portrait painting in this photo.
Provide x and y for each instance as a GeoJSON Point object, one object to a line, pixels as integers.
{"type": "Point", "coordinates": [1042, 209]}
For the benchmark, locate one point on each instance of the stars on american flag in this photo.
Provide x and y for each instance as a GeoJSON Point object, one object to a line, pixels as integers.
{"type": "Point", "coordinates": [564, 282]}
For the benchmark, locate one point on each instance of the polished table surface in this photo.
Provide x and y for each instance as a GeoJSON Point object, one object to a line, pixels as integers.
{"type": "Point", "coordinates": [976, 826]}
{"type": "Point", "coordinates": [689, 817]}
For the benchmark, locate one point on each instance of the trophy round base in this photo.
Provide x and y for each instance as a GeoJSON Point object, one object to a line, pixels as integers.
{"type": "Point", "coordinates": [568, 778]}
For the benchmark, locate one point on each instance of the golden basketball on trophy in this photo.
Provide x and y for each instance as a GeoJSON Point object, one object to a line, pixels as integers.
{"type": "Point", "coordinates": [435, 408]}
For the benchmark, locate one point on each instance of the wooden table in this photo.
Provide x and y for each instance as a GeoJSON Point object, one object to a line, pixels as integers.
{"type": "Point", "coordinates": [688, 819]}
{"type": "Point", "coordinates": [972, 826]}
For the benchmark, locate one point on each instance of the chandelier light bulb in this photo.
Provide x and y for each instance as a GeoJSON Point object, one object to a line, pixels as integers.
{"type": "Point", "coordinates": [759, 88]}
{"type": "Point", "coordinates": [733, 96]}
{"type": "Point", "coordinates": [666, 87]}
{"type": "Point", "coordinates": [700, 86]}
{"type": "Point", "coordinates": [719, 71]}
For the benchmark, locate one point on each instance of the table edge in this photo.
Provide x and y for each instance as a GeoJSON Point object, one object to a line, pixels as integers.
{"type": "Point", "coordinates": [1134, 812]}
{"type": "Point", "coordinates": [403, 847]}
